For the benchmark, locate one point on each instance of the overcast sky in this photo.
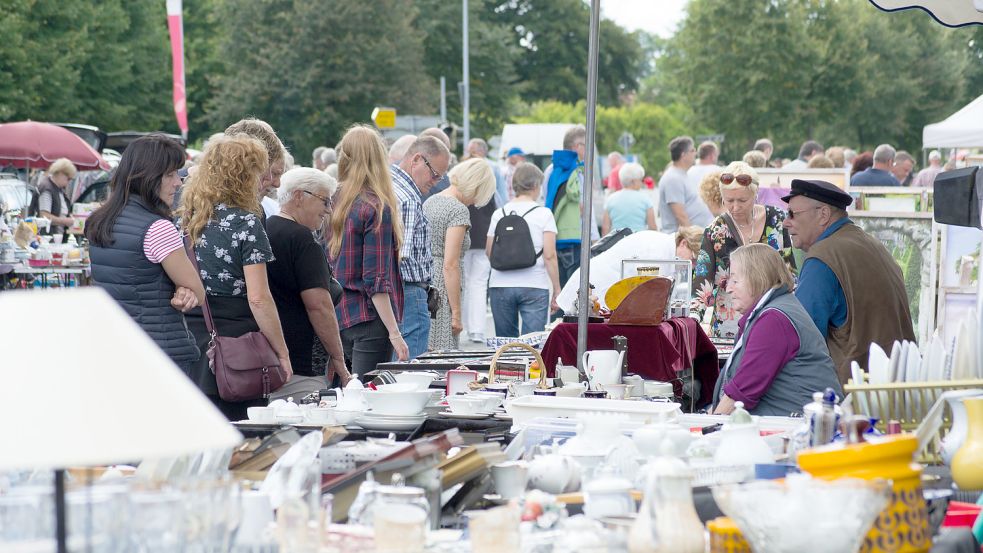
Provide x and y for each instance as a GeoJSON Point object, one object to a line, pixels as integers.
{"type": "Point", "coordinates": [654, 16]}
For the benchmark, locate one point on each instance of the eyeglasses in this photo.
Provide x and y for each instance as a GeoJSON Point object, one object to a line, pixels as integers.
{"type": "Point", "coordinates": [327, 201]}
{"type": "Point", "coordinates": [433, 174]}
{"type": "Point", "coordinates": [791, 214]}
{"type": "Point", "coordinates": [743, 180]}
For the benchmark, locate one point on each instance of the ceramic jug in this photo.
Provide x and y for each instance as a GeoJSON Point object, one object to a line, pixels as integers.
{"type": "Point", "coordinates": [667, 521]}
{"type": "Point", "coordinates": [967, 464]}
{"type": "Point", "coordinates": [957, 433]}
{"type": "Point", "coordinates": [603, 366]}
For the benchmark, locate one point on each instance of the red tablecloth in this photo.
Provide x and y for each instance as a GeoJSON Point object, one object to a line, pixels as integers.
{"type": "Point", "coordinates": [654, 352]}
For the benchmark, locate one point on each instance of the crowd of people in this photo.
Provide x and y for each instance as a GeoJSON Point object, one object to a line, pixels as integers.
{"type": "Point", "coordinates": [381, 253]}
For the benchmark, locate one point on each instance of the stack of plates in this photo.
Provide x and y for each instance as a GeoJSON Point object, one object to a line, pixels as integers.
{"type": "Point", "coordinates": [371, 421]}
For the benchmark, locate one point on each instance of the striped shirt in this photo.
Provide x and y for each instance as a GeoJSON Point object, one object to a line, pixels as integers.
{"type": "Point", "coordinates": [416, 260]}
{"type": "Point", "coordinates": [162, 239]}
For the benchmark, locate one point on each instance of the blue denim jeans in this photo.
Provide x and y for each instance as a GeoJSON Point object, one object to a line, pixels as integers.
{"type": "Point", "coordinates": [567, 261]}
{"type": "Point", "coordinates": [415, 327]}
{"type": "Point", "coordinates": [508, 304]}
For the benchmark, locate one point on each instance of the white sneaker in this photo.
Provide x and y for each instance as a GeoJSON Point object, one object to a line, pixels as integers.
{"type": "Point", "coordinates": [476, 338]}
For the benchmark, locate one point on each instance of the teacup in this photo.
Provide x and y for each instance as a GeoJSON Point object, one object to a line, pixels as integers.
{"type": "Point", "coordinates": [571, 390]}
{"type": "Point", "coordinates": [261, 415]}
{"type": "Point", "coordinates": [510, 478]}
{"type": "Point", "coordinates": [520, 389]}
{"type": "Point", "coordinates": [617, 391]}
{"type": "Point", "coordinates": [464, 405]}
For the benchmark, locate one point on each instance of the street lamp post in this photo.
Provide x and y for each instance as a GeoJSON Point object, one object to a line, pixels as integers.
{"type": "Point", "coordinates": [466, 96]}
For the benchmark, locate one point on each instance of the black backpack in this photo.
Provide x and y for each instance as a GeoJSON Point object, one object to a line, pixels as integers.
{"type": "Point", "coordinates": [512, 246]}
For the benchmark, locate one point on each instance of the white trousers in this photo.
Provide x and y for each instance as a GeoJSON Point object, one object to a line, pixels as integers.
{"type": "Point", "coordinates": [474, 303]}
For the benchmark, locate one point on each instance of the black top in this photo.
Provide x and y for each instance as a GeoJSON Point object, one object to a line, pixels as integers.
{"type": "Point", "coordinates": [300, 265]}
{"type": "Point", "coordinates": [480, 220]}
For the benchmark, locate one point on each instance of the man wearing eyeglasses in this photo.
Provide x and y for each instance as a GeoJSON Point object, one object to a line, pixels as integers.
{"type": "Point", "coordinates": [424, 164]}
{"type": "Point", "coordinates": [849, 284]}
{"type": "Point", "coordinates": [679, 198]}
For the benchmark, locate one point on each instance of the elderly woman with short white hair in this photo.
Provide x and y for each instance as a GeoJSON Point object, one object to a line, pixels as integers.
{"type": "Point", "coordinates": [743, 221]}
{"type": "Point", "coordinates": [299, 280]}
{"type": "Point", "coordinates": [471, 183]}
{"type": "Point", "coordinates": [629, 207]}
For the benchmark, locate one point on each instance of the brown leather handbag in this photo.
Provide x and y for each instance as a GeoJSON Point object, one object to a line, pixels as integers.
{"type": "Point", "coordinates": [245, 367]}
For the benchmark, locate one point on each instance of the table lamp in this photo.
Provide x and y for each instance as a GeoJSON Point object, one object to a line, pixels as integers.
{"type": "Point", "coordinates": [95, 391]}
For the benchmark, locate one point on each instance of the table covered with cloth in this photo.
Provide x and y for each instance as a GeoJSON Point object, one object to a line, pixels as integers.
{"type": "Point", "coordinates": [654, 352]}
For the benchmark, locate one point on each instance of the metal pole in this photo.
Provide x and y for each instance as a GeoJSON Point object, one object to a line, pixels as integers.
{"type": "Point", "coordinates": [443, 100]}
{"type": "Point", "coordinates": [466, 100]}
{"type": "Point", "coordinates": [587, 191]}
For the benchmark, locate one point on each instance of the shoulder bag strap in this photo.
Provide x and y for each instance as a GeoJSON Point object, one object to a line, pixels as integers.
{"type": "Point", "coordinates": [209, 323]}
{"type": "Point", "coordinates": [732, 227]}
{"type": "Point", "coordinates": [530, 211]}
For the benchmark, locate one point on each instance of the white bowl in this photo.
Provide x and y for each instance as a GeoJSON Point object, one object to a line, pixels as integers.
{"type": "Point", "coordinates": [421, 379]}
{"type": "Point", "coordinates": [261, 414]}
{"type": "Point", "coordinates": [397, 403]}
{"type": "Point", "coordinates": [398, 387]}
{"type": "Point", "coordinates": [342, 416]}
{"type": "Point", "coordinates": [320, 415]}
{"type": "Point", "coordinates": [465, 405]}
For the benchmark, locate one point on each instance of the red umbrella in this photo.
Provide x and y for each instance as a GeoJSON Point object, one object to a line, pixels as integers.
{"type": "Point", "coordinates": [38, 145]}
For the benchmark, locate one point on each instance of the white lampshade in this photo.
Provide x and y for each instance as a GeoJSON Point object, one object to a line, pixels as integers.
{"type": "Point", "coordinates": [81, 384]}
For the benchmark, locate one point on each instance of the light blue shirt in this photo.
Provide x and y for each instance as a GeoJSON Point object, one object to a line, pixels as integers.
{"type": "Point", "coordinates": [819, 290]}
{"type": "Point", "coordinates": [628, 209]}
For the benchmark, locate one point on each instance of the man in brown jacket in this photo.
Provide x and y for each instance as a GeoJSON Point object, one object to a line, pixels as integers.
{"type": "Point", "coordinates": [849, 283]}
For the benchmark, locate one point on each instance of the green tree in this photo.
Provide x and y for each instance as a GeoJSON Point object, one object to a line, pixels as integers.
{"type": "Point", "coordinates": [553, 36]}
{"type": "Point", "coordinates": [102, 63]}
{"type": "Point", "coordinates": [311, 69]}
{"type": "Point", "coordinates": [492, 58]}
{"type": "Point", "coordinates": [653, 126]}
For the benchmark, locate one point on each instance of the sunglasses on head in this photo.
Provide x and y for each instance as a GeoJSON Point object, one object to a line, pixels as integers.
{"type": "Point", "coordinates": [743, 180]}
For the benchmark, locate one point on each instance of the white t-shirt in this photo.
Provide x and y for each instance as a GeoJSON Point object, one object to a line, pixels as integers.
{"type": "Point", "coordinates": [540, 221]}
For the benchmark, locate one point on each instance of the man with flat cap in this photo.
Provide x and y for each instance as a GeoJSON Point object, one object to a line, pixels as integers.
{"type": "Point", "coordinates": [849, 283]}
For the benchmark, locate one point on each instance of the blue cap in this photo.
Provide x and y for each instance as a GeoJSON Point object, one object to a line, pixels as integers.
{"type": "Point", "coordinates": [515, 151]}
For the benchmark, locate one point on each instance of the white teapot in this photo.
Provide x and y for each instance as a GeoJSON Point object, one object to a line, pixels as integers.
{"type": "Point", "coordinates": [649, 438]}
{"type": "Point", "coordinates": [554, 473]}
{"type": "Point", "coordinates": [603, 366]}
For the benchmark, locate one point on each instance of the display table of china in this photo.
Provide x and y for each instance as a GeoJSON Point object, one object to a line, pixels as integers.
{"type": "Point", "coordinates": [654, 352]}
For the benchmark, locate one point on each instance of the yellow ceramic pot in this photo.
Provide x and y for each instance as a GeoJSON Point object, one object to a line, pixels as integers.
{"type": "Point", "coordinates": [903, 525]}
{"type": "Point", "coordinates": [726, 537]}
{"type": "Point", "coordinates": [967, 464]}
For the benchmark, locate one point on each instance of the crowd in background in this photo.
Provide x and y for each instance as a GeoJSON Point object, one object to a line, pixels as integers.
{"type": "Point", "coordinates": [382, 252]}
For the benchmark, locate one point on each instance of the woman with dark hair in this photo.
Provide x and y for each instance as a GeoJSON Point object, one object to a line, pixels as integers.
{"type": "Point", "coordinates": [861, 163]}
{"type": "Point", "coordinates": [136, 251]}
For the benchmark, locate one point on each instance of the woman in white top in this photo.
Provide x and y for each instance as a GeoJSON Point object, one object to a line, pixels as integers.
{"type": "Point", "coordinates": [525, 292]}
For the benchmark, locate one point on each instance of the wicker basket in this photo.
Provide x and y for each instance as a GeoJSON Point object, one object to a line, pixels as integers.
{"type": "Point", "coordinates": [909, 403]}
{"type": "Point", "coordinates": [527, 348]}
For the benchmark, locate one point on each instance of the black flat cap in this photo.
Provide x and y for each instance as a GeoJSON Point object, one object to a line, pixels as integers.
{"type": "Point", "coordinates": [821, 191]}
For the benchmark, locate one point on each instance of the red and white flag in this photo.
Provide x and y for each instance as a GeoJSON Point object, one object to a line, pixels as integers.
{"type": "Point", "coordinates": [175, 23]}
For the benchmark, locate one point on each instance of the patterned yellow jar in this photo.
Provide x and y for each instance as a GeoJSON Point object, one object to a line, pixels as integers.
{"type": "Point", "coordinates": [903, 526]}
{"type": "Point", "coordinates": [726, 537]}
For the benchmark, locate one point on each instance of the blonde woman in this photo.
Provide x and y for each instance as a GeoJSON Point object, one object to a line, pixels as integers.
{"type": "Point", "coordinates": [471, 183]}
{"type": "Point", "coordinates": [710, 192]}
{"type": "Point", "coordinates": [220, 211]}
{"type": "Point", "coordinates": [743, 221]}
{"type": "Point", "coordinates": [364, 249]}
{"type": "Point", "coordinates": [780, 358]}
{"type": "Point", "coordinates": [53, 202]}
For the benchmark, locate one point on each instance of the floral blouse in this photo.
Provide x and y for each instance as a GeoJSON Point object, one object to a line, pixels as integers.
{"type": "Point", "coordinates": [713, 268]}
{"type": "Point", "coordinates": [232, 239]}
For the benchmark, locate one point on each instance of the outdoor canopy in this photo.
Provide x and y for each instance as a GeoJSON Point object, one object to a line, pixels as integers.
{"type": "Point", "coordinates": [963, 129]}
{"type": "Point", "coordinates": [35, 145]}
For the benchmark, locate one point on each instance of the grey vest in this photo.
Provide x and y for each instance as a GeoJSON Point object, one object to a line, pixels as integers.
{"type": "Point", "coordinates": [142, 288]}
{"type": "Point", "coordinates": [811, 370]}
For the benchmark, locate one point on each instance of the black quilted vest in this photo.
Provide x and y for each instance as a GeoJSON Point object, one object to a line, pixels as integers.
{"type": "Point", "coordinates": [141, 287]}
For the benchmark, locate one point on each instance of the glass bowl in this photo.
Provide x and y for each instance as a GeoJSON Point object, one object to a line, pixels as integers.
{"type": "Point", "coordinates": [802, 514]}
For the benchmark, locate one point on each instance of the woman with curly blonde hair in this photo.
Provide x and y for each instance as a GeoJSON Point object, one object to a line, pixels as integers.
{"type": "Point", "coordinates": [364, 249]}
{"type": "Point", "coordinates": [220, 212]}
{"type": "Point", "coordinates": [710, 192]}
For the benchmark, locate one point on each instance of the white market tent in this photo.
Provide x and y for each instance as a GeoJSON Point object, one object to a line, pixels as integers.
{"type": "Point", "coordinates": [963, 129]}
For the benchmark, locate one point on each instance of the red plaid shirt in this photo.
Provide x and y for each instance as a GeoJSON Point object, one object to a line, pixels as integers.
{"type": "Point", "coordinates": [367, 264]}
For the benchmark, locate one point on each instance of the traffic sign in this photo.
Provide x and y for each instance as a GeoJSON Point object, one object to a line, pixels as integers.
{"type": "Point", "coordinates": [626, 140]}
{"type": "Point", "coordinates": [384, 118]}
